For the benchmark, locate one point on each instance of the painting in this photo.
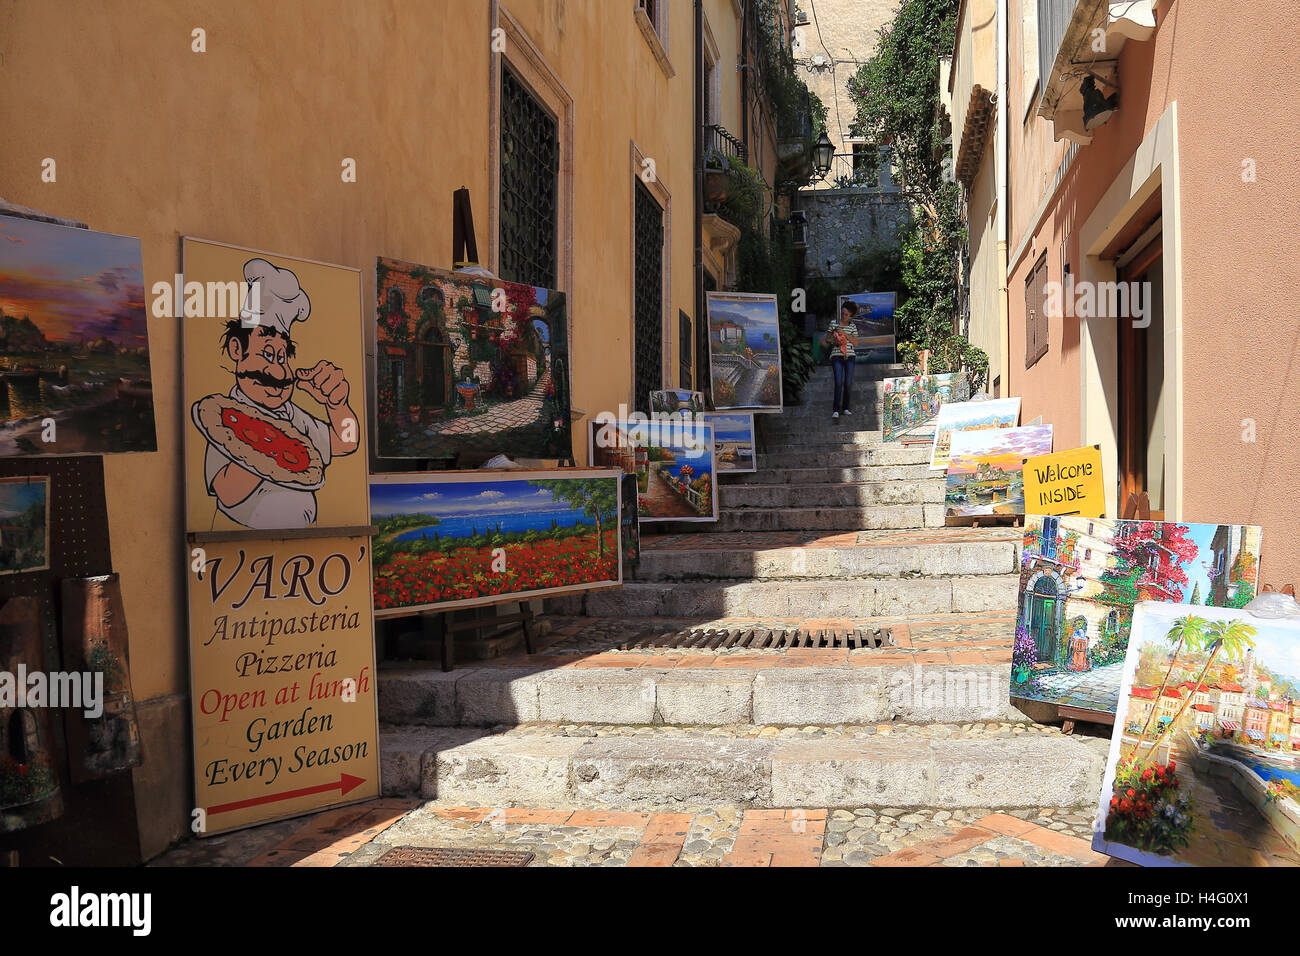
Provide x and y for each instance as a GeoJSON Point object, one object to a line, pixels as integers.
{"type": "Point", "coordinates": [984, 469]}
{"type": "Point", "coordinates": [629, 524]}
{"type": "Point", "coordinates": [24, 524]}
{"type": "Point", "coordinates": [74, 345]}
{"type": "Point", "coordinates": [673, 400]}
{"type": "Point", "coordinates": [465, 538]}
{"type": "Point", "coordinates": [911, 404]}
{"type": "Point", "coordinates": [469, 365]}
{"type": "Point", "coordinates": [969, 416]}
{"type": "Point", "coordinates": [273, 391]}
{"type": "Point", "coordinates": [673, 462]}
{"type": "Point", "coordinates": [1203, 766]}
{"type": "Point", "coordinates": [873, 314]}
{"type": "Point", "coordinates": [1079, 581]}
{"type": "Point", "coordinates": [1066, 483]}
{"type": "Point", "coordinates": [733, 442]}
{"type": "Point", "coordinates": [744, 352]}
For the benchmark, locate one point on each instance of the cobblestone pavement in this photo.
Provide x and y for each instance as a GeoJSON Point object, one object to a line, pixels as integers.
{"type": "Point", "coordinates": [705, 836]}
{"type": "Point", "coordinates": [767, 540]}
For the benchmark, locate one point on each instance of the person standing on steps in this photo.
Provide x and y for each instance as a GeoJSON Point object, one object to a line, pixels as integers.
{"type": "Point", "coordinates": [840, 338]}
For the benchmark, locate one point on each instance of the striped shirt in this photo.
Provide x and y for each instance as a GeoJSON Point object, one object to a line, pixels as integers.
{"type": "Point", "coordinates": [851, 336]}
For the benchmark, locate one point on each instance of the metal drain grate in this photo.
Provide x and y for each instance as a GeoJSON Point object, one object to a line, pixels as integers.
{"type": "Point", "coordinates": [767, 638]}
{"type": "Point", "coordinates": [453, 856]}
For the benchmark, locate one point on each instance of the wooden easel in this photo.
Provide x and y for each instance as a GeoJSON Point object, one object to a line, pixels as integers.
{"type": "Point", "coordinates": [464, 247]}
{"type": "Point", "coordinates": [524, 619]}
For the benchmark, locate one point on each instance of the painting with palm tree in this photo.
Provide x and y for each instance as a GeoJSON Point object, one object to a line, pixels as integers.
{"type": "Point", "coordinates": [1080, 579]}
{"type": "Point", "coordinates": [1204, 765]}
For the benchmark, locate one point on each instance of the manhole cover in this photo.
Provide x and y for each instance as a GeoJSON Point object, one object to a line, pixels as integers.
{"type": "Point", "coordinates": [768, 638]}
{"type": "Point", "coordinates": [453, 856]}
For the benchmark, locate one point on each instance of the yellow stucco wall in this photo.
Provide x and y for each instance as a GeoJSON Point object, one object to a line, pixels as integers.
{"type": "Point", "coordinates": [243, 144]}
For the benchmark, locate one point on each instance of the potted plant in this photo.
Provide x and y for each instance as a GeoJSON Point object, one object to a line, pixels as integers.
{"type": "Point", "coordinates": [716, 178]}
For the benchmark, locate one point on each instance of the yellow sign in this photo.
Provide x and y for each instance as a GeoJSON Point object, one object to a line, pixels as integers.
{"type": "Point", "coordinates": [274, 391]}
{"type": "Point", "coordinates": [282, 672]}
{"type": "Point", "coordinates": [1066, 483]}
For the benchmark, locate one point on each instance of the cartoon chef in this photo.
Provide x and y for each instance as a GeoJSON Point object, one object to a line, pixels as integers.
{"type": "Point", "coordinates": [260, 345]}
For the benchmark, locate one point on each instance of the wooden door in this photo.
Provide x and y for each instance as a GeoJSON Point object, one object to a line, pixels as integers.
{"type": "Point", "coordinates": [1140, 359]}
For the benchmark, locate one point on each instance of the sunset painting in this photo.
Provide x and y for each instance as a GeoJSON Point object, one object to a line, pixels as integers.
{"type": "Point", "coordinates": [74, 346]}
{"type": "Point", "coordinates": [984, 469]}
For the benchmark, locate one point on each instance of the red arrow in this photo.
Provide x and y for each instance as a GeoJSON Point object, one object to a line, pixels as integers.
{"type": "Point", "coordinates": [345, 784]}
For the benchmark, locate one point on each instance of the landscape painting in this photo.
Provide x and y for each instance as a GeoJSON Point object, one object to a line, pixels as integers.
{"type": "Point", "coordinates": [74, 346]}
{"type": "Point", "coordinates": [1080, 579]}
{"type": "Point", "coordinates": [744, 352]}
{"type": "Point", "coordinates": [1204, 766]}
{"type": "Point", "coordinates": [984, 469]}
{"type": "Point", "coordinates": [911, 404]}
{"type": "Point", "coordinates": [873, 314]}
{"type": "Point", "coordinates": [459, 539]}
{"type": "Point", "coordinates": [733, 442]}
{"type": "Point", "coordinates": [673, 400]}
{"type": "Point", "coordinates": [629, 524]}
{"type": "Point", "coordinates": [466, 365]}
{"type": "Point", "coordinates": [673, 462]}
{"type": "Point", "coordinates": [969, 416]}
{"type": "Point", "coordinates": [24, 524]}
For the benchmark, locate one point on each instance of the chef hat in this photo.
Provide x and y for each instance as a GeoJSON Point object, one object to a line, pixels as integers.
{"type": "Point", "coordinates": [274, 297]}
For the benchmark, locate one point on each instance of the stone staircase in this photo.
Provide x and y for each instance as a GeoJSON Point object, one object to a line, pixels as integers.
{"type": "Point", "coordinates": [835, 530]}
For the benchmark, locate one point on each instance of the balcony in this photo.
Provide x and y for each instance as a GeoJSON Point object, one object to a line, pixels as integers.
{"type": "Point", "coordinates": [1074, 63]}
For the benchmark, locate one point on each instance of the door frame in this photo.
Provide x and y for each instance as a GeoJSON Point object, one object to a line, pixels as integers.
{"type": "Point", "coordinates": [1134, 431]}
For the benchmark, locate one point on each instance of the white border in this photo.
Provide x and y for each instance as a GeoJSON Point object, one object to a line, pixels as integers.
{"type": "Point", "coordinates": [753, 443]}
{"type": "Point", "coordinates": [708, 438]}
{"type": "Point", "coordinates": [709, 298]}
{"type": "Point", "coordinates": [939, 424]}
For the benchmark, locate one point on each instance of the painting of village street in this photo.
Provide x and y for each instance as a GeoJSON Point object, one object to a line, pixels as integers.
{"type": "Point", "coordinates": [673, 462]}
{"type": "Point", "coordinates": [74, 347]}
{"type": "Point", "coordinates": [873, 315]}
{"type": "Point", "coordinates": [985, 475]}
{"type": "Point", "coordinates": [733, 441]}
{"type": "Point", "coordinates": [1080, 579]}
{"type": "Point", "coordinates": [459, 539]}
{"type": "Point", "coordinates": [465, 364]}
{"type": "Point", "coordinates": [911, 404]}
{"type": "Point", "coordinates": [1204, 765]}
{"type": "Point", "coordinates": [744, 352]}
{"type": "Point", "coordinates": [969, 416]}
{"type": "Point", "coordinates": [24, 524]}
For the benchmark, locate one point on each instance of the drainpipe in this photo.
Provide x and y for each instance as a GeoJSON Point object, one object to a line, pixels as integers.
{"type": "Point", "coordinates": [1001, 145]}
{"type": "Point", "coordinates": [698, 87]}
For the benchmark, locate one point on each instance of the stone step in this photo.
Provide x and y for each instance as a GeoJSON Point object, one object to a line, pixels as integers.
{"type": "Point", "coordinates": [785, 563]}
{"type": "Point", "coordinates": [845, 597]}
{"type": "Point", "coordinates": [815, 476]}
{"type": "Point", "coordinates": [837, 495]}
{"type": "Point", "coordinates": [855, 518]}
{"type": "Point", "coordinates": [887, 454]}
{"type": "Point", "coordinates": [830, 438]}
{"type": "Point", "coordinates": [1012, 766]}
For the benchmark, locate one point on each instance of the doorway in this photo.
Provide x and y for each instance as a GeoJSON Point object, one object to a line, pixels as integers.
{"type": "Point", "coordinates": [1142, 392]}
{"type": "Point", "coordinates": [1042, 620]}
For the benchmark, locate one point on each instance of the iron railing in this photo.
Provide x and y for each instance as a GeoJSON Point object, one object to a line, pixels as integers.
{"type": "Point", "coordinates": [718, 140]}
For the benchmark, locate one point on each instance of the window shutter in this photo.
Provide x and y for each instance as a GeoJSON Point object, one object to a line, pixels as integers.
{"type": "Point", "coordinates": [1036, 312]}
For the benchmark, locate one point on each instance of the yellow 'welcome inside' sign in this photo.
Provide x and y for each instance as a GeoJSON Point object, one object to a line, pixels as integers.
{"type": "Point", "coordinates": [1065, 483]}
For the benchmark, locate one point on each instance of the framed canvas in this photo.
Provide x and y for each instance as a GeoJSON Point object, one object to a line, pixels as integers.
{"type": "Point", "coordinates": [873, 314]}
{"type": "Point", "coordinates": [629, 524]}
{"type": "Point", "coordinates": [673, 462]}
{"type": "Point", "coordinates": [1202, 766]}
{"type": "Point", "coordinates": [744, 351]}
{"type": "Point", "coordinates": [1079, 581]}
{"type": "Point", "coordinates": [24, 524]}
{"type": "Point", "coordinates": [468, 364]}
{"type": "Point", "coordinates": [969, 416]}
{"type": "Point", "coordinates": [74, 343]}
{"type": "Point", "coordinates": [675, 400]}
{"type": "Point", "coordinates": [911, 404]}
{"type": "Point", "coordinates": [450, 539]}
{"type": "Point", "coordinates": [273, 392]}
{"type": "Point", "coordinates": [733, 441]}
{"type": "Point", "coordinates": [984, 469]}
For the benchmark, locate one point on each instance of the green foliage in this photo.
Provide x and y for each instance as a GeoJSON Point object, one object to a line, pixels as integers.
{"type": "Point", "coordinates": [896, 96]}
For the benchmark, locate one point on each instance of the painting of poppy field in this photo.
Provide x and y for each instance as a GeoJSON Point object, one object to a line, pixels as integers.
{"type": "Point", "coordinates": [460, 539]}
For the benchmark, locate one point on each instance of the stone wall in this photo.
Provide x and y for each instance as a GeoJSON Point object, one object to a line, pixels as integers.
{"type": "Point", "coordinates": [846, 223]}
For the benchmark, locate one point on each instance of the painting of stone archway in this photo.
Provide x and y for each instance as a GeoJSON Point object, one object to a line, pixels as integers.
{"type": "Point", "coordinates": [1079, 581]}
{"type": "Point", "coordinates": [467, 366]}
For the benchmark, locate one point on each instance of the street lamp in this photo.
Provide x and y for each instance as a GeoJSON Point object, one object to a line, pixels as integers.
{"type": "Point", "coordinates": [823, 155]}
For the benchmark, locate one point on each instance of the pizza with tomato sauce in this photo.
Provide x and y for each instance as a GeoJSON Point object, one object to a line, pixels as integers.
{"type": "Point", "coordinates": [264, 445]}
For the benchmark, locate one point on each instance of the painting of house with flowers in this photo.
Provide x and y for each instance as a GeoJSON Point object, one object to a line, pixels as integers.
{"type": "Point", "coordinates": [468, 366]}
{"type": "Point", "coordinates": [461, 539]}
{"type": "Point", "coordinates": [1204, 765]}
{"type": "Point", "coordinates": [1080, 579]}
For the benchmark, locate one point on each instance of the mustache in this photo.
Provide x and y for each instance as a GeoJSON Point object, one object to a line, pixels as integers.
{"type": "Point", "coordinates": [265, 379]}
